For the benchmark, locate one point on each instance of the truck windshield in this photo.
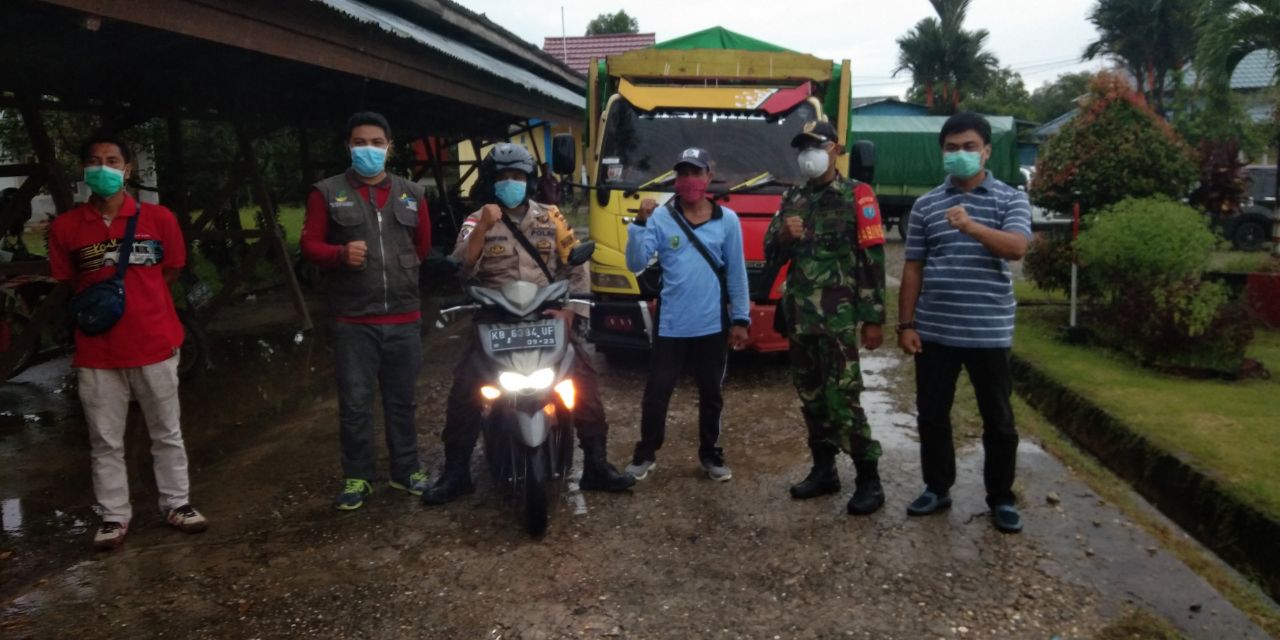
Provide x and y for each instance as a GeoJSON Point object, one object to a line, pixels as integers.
{"type": "Point", "coordinates": [639, 146]}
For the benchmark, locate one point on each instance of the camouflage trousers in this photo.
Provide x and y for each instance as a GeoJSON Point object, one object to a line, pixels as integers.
{"type": "Point", "coordinates": [828, 378]}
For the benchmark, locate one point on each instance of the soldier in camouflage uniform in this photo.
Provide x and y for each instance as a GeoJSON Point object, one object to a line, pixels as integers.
{"type": "Point", "coordinates": [829, 229]}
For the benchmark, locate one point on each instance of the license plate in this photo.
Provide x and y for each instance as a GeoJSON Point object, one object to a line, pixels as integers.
{"type": "Point", "coordinates": [530, 336]}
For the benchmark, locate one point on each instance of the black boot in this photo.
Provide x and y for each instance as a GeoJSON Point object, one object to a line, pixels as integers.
{"type": "Point", "coordinates": [868, 495]}
{"type": "Point", "coordinates": [822, 479]}
{"type": "Point", "coordinates": [597, 473]}
{"type": "Point", "coordinates": [455, 482]}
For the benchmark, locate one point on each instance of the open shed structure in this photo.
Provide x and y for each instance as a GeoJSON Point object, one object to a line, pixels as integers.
{"type": "Point", "coordinates": [438, 71]}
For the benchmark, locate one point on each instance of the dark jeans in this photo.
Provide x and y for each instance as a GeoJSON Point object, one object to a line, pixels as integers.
{"type": "Point", "coordinates": [705, 358]}
{"type": "Point", "coordinates": [389, 356]}
{"type": "Point", "coordinates": [463, 414]}
{"type": "Point", "coordinates": [937, 369]}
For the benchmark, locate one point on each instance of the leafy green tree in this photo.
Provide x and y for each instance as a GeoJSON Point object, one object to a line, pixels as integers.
{"type": "Point", "coordinates": [1208, 112]}
{"type": "Point", "coordinates": [1231, 30]}
{"type": "Point", "coordinates": [946, 61]}
{"type": "Point", "coordinates": [1150, 38]}
{"type": "Point", "coordinates": [1053, 99]}
{"type": "Point", "coordinates": [618, 22]}
{"type": "Point", "coordinates": [1115, 149]}
{"type": "Point", "coordinates": [1006, 95]}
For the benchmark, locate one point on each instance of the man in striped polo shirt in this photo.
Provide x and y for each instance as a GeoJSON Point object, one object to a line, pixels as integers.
{"type": "Point", "coordinates": [956, 309]}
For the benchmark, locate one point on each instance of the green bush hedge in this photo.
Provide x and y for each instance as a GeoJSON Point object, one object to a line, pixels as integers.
{"type": "Point", "coordinates": [1144, 261]}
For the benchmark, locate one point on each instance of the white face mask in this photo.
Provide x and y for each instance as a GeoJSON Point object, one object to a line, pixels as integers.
{"type": "Point", "coordinates": [813, 162]}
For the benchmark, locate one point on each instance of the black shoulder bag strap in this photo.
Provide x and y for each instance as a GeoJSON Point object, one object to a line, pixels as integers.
{"type": "Point", "coordinates": [719, 269]}
{"type": "Point", "coordinates": [126, 244]}
{"type": "Point", "coordinates": [528, 246]}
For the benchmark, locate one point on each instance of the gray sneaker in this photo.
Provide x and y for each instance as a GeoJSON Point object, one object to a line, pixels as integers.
{"type": "Point", "coordinates": [640, 470]}
{"type": "Point", "coordinates": [717, 470]}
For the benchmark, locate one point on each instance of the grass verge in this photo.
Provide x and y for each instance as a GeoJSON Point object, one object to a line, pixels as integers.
{"type": "Point", "coordinates": [1224, 428]}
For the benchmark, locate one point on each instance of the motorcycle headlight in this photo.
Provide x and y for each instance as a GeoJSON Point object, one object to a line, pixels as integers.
{"type": "Point", "coordinates": [536, 381]}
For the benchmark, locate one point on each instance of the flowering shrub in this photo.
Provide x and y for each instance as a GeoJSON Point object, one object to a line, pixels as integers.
{"type": "Point", "coordinates": [1115, 148]}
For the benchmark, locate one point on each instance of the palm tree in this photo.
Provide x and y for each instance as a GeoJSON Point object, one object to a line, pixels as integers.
{"type": "Point", "coordinates": [1150, 38]}
{"type": "Point", "coordinates": [1229, 31]}
{"type": "Point", "coordinates": [945, 61]}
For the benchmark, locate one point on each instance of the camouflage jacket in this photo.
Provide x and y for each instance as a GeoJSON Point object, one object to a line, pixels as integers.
{"type": "Point", "coordinates": [836, 279]}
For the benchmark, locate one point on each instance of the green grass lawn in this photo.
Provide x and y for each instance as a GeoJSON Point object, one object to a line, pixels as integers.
{"type": "Point", "coordinates": [291, 217]}
{"type": "Point", "coordinates": [1243, 261]}
{"type": "Point", "coordinates": [1025, 291]}
{"type": "Point", "coordinates": [266, 271]}
{"type": "Point", "coordinates": [1229, 430]}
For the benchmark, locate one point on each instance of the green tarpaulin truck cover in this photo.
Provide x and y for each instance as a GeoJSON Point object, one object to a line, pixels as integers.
{"type": "Point", "coordinates": [907, 150]}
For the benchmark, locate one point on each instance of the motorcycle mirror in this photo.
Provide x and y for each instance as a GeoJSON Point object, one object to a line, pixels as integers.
{"type": "Point", "coordinates": [582, 253]}
{"type": "Point", "coordinates": [438, 265]}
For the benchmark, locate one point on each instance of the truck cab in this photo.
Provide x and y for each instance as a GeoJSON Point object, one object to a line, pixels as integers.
{"type": "Point", "coordinates": [744, 106]}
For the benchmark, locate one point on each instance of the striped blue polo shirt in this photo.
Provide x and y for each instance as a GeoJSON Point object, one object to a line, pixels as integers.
{"type": "Point", "coordinates": [966, 298]}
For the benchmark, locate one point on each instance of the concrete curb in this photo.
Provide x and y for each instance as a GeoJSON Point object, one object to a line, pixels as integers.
{"type": "Point", "coordinates": [1242, 535]}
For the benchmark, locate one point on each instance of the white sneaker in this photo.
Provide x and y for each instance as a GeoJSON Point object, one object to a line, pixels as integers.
{"type": "Point", "coordinates": [110, 535]}
{"type": "Point", "coordinates": [640, 470]}
{"type": "Point", "coordinates": [186, 519]}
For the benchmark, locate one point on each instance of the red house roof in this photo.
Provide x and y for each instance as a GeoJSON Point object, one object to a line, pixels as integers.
{"type": "Point", "coordinates": [577, 51]}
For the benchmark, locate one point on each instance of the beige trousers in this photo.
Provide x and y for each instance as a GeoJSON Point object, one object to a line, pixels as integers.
{"type": "Point", "coordinates": [105, 394]}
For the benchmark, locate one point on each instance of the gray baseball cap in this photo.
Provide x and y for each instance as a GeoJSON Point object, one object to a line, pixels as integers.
{"type": "Point", "coordinates": [696, 157]}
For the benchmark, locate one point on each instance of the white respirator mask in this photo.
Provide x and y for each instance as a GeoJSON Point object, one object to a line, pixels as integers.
{"type": "Point", "coordinates": [813, 162]}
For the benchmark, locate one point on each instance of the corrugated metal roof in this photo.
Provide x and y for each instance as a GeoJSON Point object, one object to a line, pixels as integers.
{"type": "Point", "coordinates": [398, 26]}
{"type": "Point", "coordinates": [866, 100]}
{"type": "Point", "coordinates": [577, 51]}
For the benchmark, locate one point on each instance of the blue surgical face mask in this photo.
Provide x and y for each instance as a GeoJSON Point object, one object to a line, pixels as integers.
{"type": "Point", "coordinates": [962, 164]}
{"type": "Point", "coordinates": [510, 192]}
{"type": "Point", "coordinates": [368, 161]}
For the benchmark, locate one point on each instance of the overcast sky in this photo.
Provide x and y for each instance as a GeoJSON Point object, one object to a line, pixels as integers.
{"type": "Point", "coordinates": [1041, 39]}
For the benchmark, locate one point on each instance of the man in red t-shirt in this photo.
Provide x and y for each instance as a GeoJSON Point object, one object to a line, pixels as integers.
{"type": "Point", "coordinates": [369, 230]}
{"type": "Point", "coordinates": [137, 357]}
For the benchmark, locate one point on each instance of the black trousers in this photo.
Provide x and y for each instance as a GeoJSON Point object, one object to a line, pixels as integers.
{"type": "Point", "coordinates": [465, 405]}
{"type": "Point", "coordinates": [937, 369]}
{"type": "Point", "coordinates": [705, 357]}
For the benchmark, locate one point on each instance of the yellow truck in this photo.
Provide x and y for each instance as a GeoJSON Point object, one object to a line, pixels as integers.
{"type": "Point", "coordinates": [741, 99]}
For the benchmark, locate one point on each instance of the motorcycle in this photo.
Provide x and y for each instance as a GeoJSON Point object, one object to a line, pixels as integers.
{"type": "Point", "coordinates": [529, 395]}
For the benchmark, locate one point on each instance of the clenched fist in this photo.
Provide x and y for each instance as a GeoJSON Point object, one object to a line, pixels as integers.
{"type": "Point", "coordinates": [959, 219]}
{"type": "Point", "coordinates": [490, 215]}
{"type": "Point", "coordinates": [646, 209]}
{"type": "Point", "coordinates": [792, 228]}
{"type": "Point", "coordinates": [353, 253]}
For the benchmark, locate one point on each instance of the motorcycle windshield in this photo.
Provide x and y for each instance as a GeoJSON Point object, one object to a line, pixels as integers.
{"type": "Point", "coordinates": [519, 298]}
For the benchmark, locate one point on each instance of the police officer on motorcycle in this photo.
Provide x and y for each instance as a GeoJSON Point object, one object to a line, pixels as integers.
{"type": "Point", "coordinates": [493, 253]}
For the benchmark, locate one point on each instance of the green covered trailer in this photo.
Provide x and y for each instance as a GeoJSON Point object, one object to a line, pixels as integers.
{"type": "Point", "coordinates": [909, 158]}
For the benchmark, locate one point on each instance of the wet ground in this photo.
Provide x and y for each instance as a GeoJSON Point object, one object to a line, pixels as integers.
{"type": "Point", "coordinates": [679, 557]}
